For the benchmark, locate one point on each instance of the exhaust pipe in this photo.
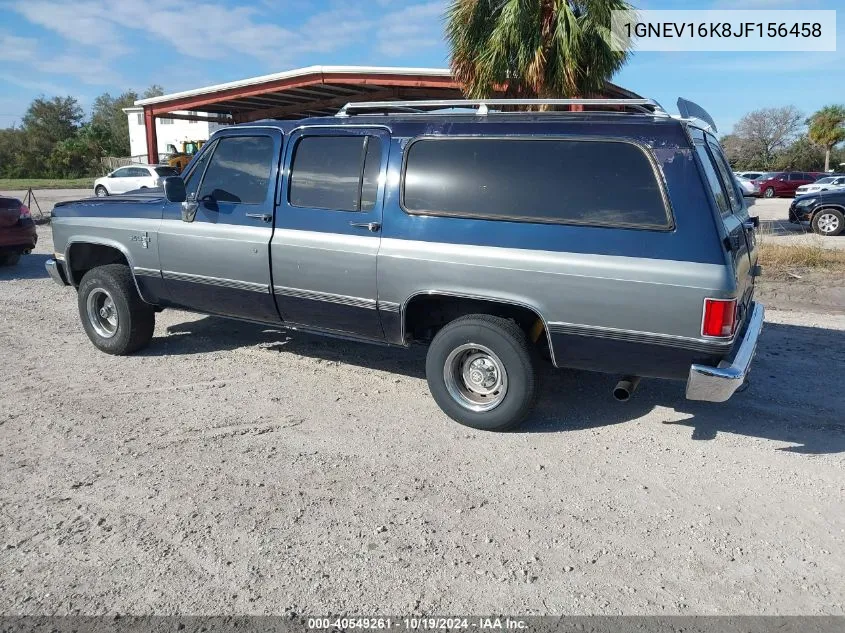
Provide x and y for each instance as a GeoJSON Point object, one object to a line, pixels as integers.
{"type": "Point", "coordinates": [625, 388]}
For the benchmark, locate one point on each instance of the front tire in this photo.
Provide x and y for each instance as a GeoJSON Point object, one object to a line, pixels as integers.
{"type": "Point", "coordinates": [114, 316]}
{"type": "Point", "coordinates": [481, 372]}
{"type": "Point", "coordinates": [769, 192]}
{"type": "Point", "coordinates": [100, 191]}
{"type": "Point", "coordinates": [828, 222]}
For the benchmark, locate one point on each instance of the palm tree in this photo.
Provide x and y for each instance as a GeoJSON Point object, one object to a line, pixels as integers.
{"type": "Point", "coordinates": [533, 48]}
{"type": "Point", "coordinates": [827, 128]}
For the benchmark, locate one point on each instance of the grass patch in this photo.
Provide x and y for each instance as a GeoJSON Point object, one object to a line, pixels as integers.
{"type": "Point", "coordinates": [22, 184]}
{"type": "Point", "coordinates": [778, 260]}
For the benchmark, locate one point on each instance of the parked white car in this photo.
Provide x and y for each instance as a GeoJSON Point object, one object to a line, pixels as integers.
{"type": "Point", "coordinates": [750, 175]}
{"type": "Point", "coordinates": [749, 187]}
{"type": "Point", "coordinates": [822, 184]}
{"type": "Point", "coordinates": [132, 177]}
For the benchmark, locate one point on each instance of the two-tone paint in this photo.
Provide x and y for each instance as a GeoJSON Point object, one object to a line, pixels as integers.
{"type": "Point", "coordinates": [610, 299]}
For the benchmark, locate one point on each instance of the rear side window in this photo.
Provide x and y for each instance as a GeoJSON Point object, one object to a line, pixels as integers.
{"type": "Point", "coordinates": [734, 198]}
{"type": "Point", "coordinates": [542, 180]}
{"type": "Point", "coordinates": [712, 178]}
{"type": "Point", "coordinates": [335, 172]}
{"type": "Point", "coordinates": [239, 171]}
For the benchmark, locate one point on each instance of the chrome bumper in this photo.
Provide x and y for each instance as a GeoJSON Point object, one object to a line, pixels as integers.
{"type": "Point", "coordinates": [56, 272]}
{"type": "Point", "coordinates": [718, 384]}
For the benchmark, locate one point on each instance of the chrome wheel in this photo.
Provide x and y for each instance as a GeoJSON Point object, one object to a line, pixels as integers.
{"type": "Point", "coordinates": [102, 312]}
{"type": "Point", "coordinates": [101, 192]}
{"type": "Point", "coordinates": [828, 223]}
{"type": "Point", "coordinates": [770, 192]}
{"type": "Point", "coordinates": [475, 377]}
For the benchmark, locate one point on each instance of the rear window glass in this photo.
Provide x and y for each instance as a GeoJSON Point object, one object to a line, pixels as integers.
{"type": "Point", "coordinates": [712, 178]}
{"type": "Point", "coordinates": [734, 197]}
{"type": "Point", "coordinates": [166, 172]}
{"type": "Point", "coordinates": [552, 181]}
{"type": "Point", "coordinates": [337, 173]}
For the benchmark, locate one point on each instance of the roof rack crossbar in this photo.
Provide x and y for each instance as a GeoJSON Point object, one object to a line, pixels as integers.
{"type": "Point", "coordinates": [483, 106]}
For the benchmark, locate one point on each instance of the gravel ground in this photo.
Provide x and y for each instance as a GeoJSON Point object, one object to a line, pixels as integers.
{"type": "Point", "coordinates": [232, 468]}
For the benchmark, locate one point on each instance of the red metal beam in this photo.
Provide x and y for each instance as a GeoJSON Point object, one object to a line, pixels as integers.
{"type": "Point", "coordinates": [196, 117]}
{"type": "Point", "coordinates": [152, 138]}
{"type": "Point", "coordinates": [399, 81]}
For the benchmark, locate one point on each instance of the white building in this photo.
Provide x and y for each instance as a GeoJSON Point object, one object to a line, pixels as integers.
{"type": "Point", "coordinates": [169, 132]}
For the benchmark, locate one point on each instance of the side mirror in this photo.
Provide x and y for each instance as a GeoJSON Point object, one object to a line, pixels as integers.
{"type": "Point", "coordinates": [174, 189]}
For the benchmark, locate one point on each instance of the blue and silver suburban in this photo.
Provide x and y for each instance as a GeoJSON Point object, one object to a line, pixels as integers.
{"type": "Point", "coordinates": [613, 238]}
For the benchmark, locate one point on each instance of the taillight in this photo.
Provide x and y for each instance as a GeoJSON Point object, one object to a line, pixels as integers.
{"type": "Point", "coordinates": [25, 215]}
{"type": "Point", "coordinates": [719, 317]}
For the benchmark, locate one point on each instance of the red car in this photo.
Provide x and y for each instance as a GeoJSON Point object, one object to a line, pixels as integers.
{"type": "Point", "coordinates": [17, 231]}
{"type": "Point", "coordinates": [784, 183]}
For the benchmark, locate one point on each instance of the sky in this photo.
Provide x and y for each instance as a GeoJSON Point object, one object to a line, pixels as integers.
{"type": "Point", "coordinates": [87, 47]}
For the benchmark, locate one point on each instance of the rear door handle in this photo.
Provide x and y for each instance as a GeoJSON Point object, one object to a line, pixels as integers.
{"type": "Point", "coordinates": [370, 226]}
{"type": "Point", "coordinates": [260, 216]}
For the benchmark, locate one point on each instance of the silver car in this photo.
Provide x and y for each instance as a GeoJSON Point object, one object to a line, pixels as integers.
{"type": "Point", "coordinates": [131, 178]}
{"type": "Point", "coordinates": [822, 184]}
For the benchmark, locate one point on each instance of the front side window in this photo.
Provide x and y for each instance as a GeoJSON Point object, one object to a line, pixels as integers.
{"type": "Point", "coordinates": [335, 172]}
{"type": "Point", "coordinates": [592, 182]}
{"type": "Point", "coordinates": [192, 182]}
{"type": "Point", "coordinates": [123, 172]}
{"type": "Point", "coordinates": [239, 170]}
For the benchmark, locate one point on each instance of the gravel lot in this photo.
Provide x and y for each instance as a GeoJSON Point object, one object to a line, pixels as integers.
{"type": "Point", "coordinates": [236, 468]}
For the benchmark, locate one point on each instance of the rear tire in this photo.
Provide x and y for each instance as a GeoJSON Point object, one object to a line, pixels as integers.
{"type": "Point", "coordinates": [114, 316]}
{"type": "Point", "coordinates": [481, 372]}
{"type": "Point", "coordinates": [769, 192]}
{"type": "Point", "coordinates": [100, 191]}
{"type": "Point", "coordinates": [9, 259]}
{"type": "Point", "coordinates": [828, 222]}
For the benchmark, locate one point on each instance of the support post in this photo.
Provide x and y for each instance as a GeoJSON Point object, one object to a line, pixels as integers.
{"type": "Point", "coordinates": [152, 137]}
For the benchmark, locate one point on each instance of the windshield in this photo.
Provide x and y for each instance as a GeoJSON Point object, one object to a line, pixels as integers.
{"type": "Point", "coordinates": [825, 181]}
{"type": "Point", "coordinates": [767, 175]}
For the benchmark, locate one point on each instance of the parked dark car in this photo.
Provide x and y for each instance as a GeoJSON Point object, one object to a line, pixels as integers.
{"type": "Point", "coordinates": [825, 211]}
{"type": "Point", "coordinates": [17, 231]}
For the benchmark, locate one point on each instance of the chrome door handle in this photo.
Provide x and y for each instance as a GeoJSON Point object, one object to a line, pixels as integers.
{"type": "Point", "coordinates": [370, 226]}
{"type": "Point", "coordinates": [260, 216]}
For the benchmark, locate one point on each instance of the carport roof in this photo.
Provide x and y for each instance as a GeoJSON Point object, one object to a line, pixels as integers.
{"type": "Point", "coordinates": [316, 91]}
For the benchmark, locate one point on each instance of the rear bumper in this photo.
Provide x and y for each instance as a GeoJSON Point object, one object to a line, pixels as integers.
{"type": "Point", "coordinates": [56, 270]}
{"type": "Point", "coordinates": [19, 237]}
{"type": "Point", "coordinates": [718, 384]}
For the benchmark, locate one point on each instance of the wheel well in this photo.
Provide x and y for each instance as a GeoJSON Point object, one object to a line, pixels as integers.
{"type": "Point", "coordinates": [83, 257]}
{"type": "Point", "coordinates": [425, 314]}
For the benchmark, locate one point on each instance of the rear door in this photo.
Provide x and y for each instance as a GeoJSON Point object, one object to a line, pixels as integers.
{"type": "Point", "coordinates": [328, 229]}
{"type": "Point", "coordinates": [739, 231]}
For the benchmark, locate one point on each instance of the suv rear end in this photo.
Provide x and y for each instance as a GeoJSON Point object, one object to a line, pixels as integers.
{"type": "Point", "coordinates": [17, 231]}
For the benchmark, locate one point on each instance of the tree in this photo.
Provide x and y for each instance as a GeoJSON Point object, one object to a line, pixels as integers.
{"type": "Point", "coordinates": [762, 133]}
{"type": "Point", "coordinates": [111, 123]}
{"type": "Point", "coordinates": [827, 129]}
{"type": "Point", "coordinates": [533, 48]}
{"type": "Point", "coordinates": [153, 91]}
{"type": "Point", "coordinates": [802, 155]}
{"type": "Point", "coordinates": [46, 122]}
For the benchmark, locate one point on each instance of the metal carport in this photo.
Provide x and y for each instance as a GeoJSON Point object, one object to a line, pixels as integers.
{"type": "Point", "coordinates": [303, 92]}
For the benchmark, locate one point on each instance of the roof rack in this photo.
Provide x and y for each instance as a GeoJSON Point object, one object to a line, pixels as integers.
{"type": "Point", "coordinates": [484, 106]}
